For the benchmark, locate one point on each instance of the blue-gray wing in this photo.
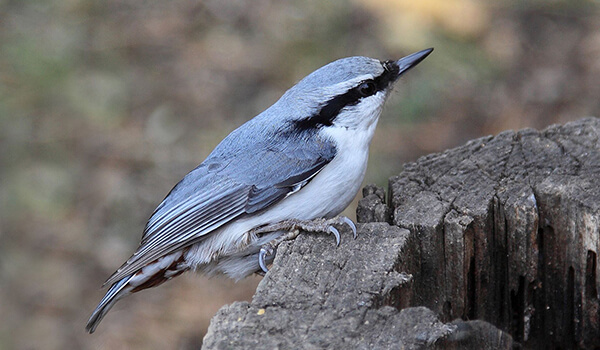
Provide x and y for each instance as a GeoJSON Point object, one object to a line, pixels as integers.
{"type": "Point", "coordinates": [226, 186]}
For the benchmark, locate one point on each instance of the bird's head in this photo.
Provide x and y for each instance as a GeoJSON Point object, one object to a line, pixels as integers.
{"type": "Point", "coordinates": [348, 93]}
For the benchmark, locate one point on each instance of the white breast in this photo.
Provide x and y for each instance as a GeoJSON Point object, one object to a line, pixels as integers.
{"type": "Point", "coordinates": [333, 188]}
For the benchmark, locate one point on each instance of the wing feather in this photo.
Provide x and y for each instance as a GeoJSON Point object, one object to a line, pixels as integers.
{"type": "Point", "coordinates": [224, 187]}
{"type": "Point", "coordinates": [193, 222]}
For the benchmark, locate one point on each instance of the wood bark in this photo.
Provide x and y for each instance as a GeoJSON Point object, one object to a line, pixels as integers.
{"type": "Point", "coordinates": [508, 231]}
{"type": "Point", "coordinates": [503, 230]}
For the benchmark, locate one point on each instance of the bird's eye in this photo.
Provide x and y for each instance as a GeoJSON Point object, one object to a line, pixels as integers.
{"type": "Point", "coordinates": [367, 88]}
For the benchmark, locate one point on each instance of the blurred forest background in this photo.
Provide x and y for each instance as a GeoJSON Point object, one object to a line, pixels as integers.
{"type": "Point", "coordinates": [105, 105]}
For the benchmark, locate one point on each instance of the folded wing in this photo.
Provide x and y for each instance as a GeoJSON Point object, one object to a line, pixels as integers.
{"type": "Point", "coordinates": [224, 187]}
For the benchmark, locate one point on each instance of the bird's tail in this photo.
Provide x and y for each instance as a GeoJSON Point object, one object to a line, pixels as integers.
{"type": "Point", "coordinates": [151, 275]}
{"type": "Point", "coordinates": [118, 290]}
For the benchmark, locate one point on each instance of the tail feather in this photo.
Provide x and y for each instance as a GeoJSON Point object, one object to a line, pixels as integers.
{"type": "Point", "coordinates": [117, 291]}
{"type": "Point", "coordinates": [149, 276]}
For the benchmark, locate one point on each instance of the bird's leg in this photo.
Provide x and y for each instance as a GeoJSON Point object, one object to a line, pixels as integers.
{"type": "Point", "coordinates": [269, 247]}
{"type": "Point", "coordinates": [293, 226]}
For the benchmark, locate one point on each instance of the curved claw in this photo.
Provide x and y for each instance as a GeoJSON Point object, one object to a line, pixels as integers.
{"type": "Point", "coordinates": [336, 233]}
{"type": "Point", "coordinates": [261, 259]}
{"type": "Point", "coordinates": [351, 224]}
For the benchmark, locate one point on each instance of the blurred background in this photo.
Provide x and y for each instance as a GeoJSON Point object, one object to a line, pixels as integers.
{"type": "Point", "coordinates": [105, 105]}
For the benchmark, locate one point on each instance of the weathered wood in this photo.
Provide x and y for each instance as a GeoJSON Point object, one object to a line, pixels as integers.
{"type": "Point", "coordinates": [317, 296]}
{"type": "Point", "coordinates": [503, 229]}
{"type": "Point", "coordinates": [508, 228]}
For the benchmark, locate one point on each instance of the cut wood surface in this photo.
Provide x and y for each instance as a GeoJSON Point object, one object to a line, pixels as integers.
{"type": "Point", "coordinates": [504, 230]}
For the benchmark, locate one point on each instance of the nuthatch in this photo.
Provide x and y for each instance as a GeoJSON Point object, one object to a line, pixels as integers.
{"type": "Point", "coordinates": [293, 167]}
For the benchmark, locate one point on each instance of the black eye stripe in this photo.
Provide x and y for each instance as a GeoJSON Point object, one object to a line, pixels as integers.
{"type": "Point", "coordinates": [332, 108]}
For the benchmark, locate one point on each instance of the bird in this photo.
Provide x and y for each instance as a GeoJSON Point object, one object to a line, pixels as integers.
{"type": "Point", "coordinates": [294, 167]}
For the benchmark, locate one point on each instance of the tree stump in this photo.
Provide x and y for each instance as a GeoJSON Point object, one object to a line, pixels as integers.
{"type": "Point", "coordinates": [504, 230]}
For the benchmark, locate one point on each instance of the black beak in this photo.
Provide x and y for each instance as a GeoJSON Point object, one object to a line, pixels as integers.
{"type": "Point", "coordinates": [406, 63]}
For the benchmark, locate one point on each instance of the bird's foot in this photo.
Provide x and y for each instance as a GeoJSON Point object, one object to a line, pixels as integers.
{"type": "Point", "coordinates": [293, 226]}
